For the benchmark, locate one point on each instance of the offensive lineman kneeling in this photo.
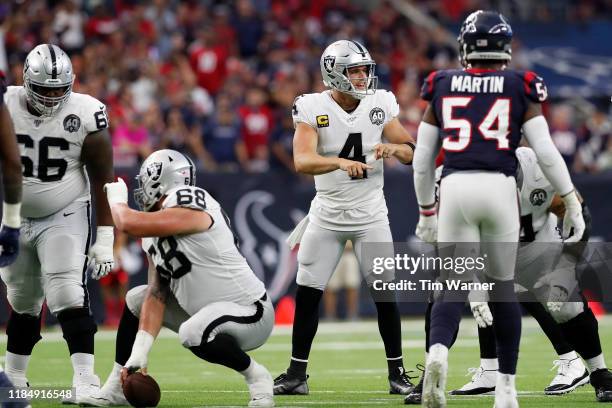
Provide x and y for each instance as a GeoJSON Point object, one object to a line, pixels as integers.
{"type": "Point", "coordinates": [199, 285]}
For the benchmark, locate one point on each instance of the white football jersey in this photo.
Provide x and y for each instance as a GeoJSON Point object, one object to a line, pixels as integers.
{"type": "Point", "coordinates": [342, 203]}
{"type": "Point", "coordinates": [206, 267]}
{"type": "Point", "coordinates": [50, 148]}
{"type": "Point", "coordinates": [535, 193]}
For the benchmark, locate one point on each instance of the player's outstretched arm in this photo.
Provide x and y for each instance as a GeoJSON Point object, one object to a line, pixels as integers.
{"type": "Point", "coordinates": [308, 161]}
{"type": "Point", "coordinates": [401, 143]}
{"type": "Point", "coordinates": [537, 134]}
{"type": "Point", "coordinates": [151, 319]}
{"type": "Point", "coordinates": [162, 223]}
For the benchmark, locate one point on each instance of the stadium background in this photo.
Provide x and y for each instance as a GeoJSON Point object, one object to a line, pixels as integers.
{"type": "Point", "coordinates": [216, 80]}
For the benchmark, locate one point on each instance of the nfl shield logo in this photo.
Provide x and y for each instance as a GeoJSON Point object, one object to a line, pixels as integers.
{"type": "Point", "coordinates": [328, 63]}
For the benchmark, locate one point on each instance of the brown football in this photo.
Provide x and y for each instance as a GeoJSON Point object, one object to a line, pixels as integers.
{"type": "Point", "coordinates": [141, 390]}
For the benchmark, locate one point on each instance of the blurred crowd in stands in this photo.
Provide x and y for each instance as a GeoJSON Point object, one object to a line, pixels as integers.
{"type": "Point", "coordinates": [217, 79]}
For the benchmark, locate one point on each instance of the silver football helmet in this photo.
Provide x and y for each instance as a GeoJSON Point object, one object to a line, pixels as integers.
{"type": "Point", "coordinates": [344, 54]}
{"type": "Point", "coordinates": [47, 66]}
{"type": "Point", "coordinates": [160, 172]}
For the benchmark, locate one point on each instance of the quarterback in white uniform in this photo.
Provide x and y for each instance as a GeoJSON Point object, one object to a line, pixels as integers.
{"type": "Point", "coordinates": [200, 286]}
{"type": "Point", "coordinates": [339, 139]}
{"type": "Point", "coordinates": [64, 145]}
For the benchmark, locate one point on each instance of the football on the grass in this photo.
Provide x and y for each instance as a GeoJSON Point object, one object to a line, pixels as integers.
{"type": "Point", "coordinates": [141, 390]}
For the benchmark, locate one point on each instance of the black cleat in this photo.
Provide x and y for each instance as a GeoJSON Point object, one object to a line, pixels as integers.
{"type": "Point", "coordinates": [601, 380]}
{"type": "Point", "coordinates": [414, 398]}
{"type": "Point", "coordinates": [284, 384]}
{"type": "Point", "coordinates": [399, 382]}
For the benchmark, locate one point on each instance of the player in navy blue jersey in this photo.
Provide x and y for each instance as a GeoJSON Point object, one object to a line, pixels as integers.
{"type": "Point", "coordinates": [476, 116]}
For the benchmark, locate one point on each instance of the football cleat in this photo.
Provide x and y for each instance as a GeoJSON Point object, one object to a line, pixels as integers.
{"type": "Point", "coordinates": [399, 382]}
{"type": "Point", "coordinates": [84, 386]}
{"type": "Point", "coordinates": [110, 395]}
{"type": "Point", "coordinates": [284, 384]}
{"type": "Point", "coordinates": [505, 392]}
{"type": "Point", "coordinates": [261, 388]}
{"type": "Point", "coordinates": [601, 380]}
{"type": "Point", "coordinates": [482, 383]}
{"type": "Point", "coordinates": [5, 383]}
{"type": "Point", "coordinates": [414, 398]}
{"type": "Point", "coordinates": [434, 384]}
{"type": "Point", "coordinates": [571, 374]}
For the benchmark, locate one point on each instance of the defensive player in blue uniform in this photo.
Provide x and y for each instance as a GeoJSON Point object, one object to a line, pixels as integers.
{"type": "Point", "coordinates": [476, 115]}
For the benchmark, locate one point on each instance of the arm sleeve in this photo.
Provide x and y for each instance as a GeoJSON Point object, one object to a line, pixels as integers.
{"type": "Point", "coordinates": [424, 163]}
{"type": "Point", "coordinates": [537, 134]}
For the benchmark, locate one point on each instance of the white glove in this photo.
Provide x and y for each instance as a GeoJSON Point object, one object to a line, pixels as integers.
{"type": "Point", "coordinates": [117, 192]}
{"type": "Point", "coordinates": [139, 359]}
{"type": "Point", "coordinates": [427, 228]}
{"type": "Point", "coordinates": [482, 314]}
{"type": "Point", "coordinates": [101, 253]}
{"type": "Point", "coordinates": [573, 218]}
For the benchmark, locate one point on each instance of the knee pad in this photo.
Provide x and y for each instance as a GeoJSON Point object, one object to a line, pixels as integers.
{"type": "Point", "coordinates": [23, 333]}
{"type": "Point", "coordinates": [135, 298]}
{"type": "Point", "coordinates": [64, 292]}
{"type": "Point", "coordinates": [78, 328]}
{"type": "Point", "coordinates": [24, 305]}
{"type": "Point", "coordinates": [568, 311]}
{"type": "Point", "coordinates": [190, 335]}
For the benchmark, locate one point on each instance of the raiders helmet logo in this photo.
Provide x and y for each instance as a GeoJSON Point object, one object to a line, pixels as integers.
{"type": "Point", "coordinates": [72, 123]}
{"type": "Point", "coordinates": [538, 197]}
{"type": "Point", "coordinates": [154, 170]}
{"type": "Point", "coordinates": [377, 116]}
{"type": "Point", "coordinates": [328, 63]}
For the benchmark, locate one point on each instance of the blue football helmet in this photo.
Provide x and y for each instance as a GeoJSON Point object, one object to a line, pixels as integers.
{"type": "Point", "coordinates": [485, 35]}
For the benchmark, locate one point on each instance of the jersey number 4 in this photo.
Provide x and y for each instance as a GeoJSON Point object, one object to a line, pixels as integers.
{"type": "Point", "coordinates": [494, 126]}
{"type": "Point", "coordinates": [44, 162]}
{"type": "Point", "coordinates": [353, 144]}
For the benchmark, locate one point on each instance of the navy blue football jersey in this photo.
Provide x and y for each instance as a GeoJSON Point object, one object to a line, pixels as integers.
{"type": "Point", "coordinates": [480, 113]}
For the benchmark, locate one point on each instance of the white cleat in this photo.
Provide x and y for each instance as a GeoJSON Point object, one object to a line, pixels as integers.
{"type": "Point", "coordinates": [505, 392]}
{"type": "Point", "coordinates": [83, 386]}
{"type": "Point", "coordinates": [110, 395]}
{"type": "Point", "coordinates": [434, 384]}
{"type": "Point", "coordinates": [571, 374]}
{"type": "Point", "coordinates": [261, 388]}
{"type": "Point", "coordinates": [482, 383]}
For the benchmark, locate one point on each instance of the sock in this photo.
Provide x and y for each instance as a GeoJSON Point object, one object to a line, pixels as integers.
{"type": "Point", "coordinates": [16, 364]}
{"type": "Point", "coordinates": [488, 347]}
{"type": "Point", "coordinates": [82, 364]}
{"type": "Point", "coordinates": [115, 374]}
{"type": "Point", "coordinates": [223, 350]}
{"type": "Point", "coordinates": [305, 326]}
{"type": "Point", "coordinates": [596, 363]}
{"type": "Point", "coordinates": [507, 315]}
{"type": "Point", "coordinates": [78, 328]}
{"type": "Point", "coordinates": [489, 364]}
{"type": "Point", "coordinates": [390, 328]}
{"type": "Point", "coordinates": [126, 334]}
{"type": "Point", "coordinates": [582, 332]}
{"type": "Point", "coordinates": [251, 372]}
{"type": "Point", "coordinates": [445, 318]}
{"type": "Point", "coordinates": [568, 356]}
{"type": "Point", "coordinates": [549, 326]}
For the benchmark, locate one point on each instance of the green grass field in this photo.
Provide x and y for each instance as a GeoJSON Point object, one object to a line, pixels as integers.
{"type": "Point", "coordinates": [347, 368]}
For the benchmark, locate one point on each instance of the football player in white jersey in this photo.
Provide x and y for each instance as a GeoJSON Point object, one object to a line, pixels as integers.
{"type": "Point", "coordinates": [11, 217]}
{"type": "Point", "coordinates": [541, 209]}
{"type": "Point", "coordinates": [200, 286]}
{"type": "Point", "coordinates": [65, 153]}
{"type": "Point", "coordinates": [339, 139]}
